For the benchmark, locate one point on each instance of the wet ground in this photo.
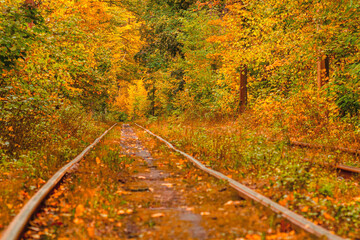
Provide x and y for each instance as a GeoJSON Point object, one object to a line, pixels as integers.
{"type": "Point", "coordinates": [132, 189]}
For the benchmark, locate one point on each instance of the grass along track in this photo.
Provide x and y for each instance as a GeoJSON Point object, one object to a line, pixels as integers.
{"type": "Point", "coordinates": [18, 224]}
{"type": "Point", "coordinates": [121, 191]}
{"type": "Point", "coordinates": [247, 193]}
{"type": "Point", "coordinates": [275, 169]}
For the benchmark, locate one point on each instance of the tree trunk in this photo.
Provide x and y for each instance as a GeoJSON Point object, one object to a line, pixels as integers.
{"type": "Point", "coordinates": [243, 89]}
{"type": "Point", "coordinates": [323, 71]}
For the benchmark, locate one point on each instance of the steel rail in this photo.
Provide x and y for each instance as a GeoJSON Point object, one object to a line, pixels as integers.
{"type": "Point", "coordinates": [342, 167]}
{"type": "Point", "coordinates": [318, 146]}
{"type": "Point", "coordinates": [247, 193]}
{"type": "Point", "coordinates": [18, 224]}
{"type": "Point", "coordinates": [348, 168]}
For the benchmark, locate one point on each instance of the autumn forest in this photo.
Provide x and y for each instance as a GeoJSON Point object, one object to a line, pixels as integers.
{"type": "Point", "coordinates": [267, 93]}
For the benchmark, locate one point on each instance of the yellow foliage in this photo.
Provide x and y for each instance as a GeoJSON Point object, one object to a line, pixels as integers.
{"type": "Point", "coordinates": [308, 113]}
{"type": "Point", "coordinates": [120, 102]}
{"type": "Point", "coordinates": [137, 102]}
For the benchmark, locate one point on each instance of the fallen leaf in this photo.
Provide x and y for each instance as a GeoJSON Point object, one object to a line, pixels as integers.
{"type": "Point", "coordinates": [121, 212]}
{"type": "Point", "coordinates": [357, 199]}
{"type": "Point", "coordinates": [79, 210]}
{"type": "Point", "coordinates": [157, 215]}
{"type": "Point", "coordinates": [169, 185]}
{"type": "Point", "coordinates": [283, 202]}
{"type": "Point", "coordinates": [23, 195]}
{"type": "Point", "coordinates": [235, 203]}
{"type": "Point", "coordinates": [91, 231]}
{"type": "Point", "coordinates": [97, 159]}
{"type": "Point", "coordinates": [328, 216]}
{"type": "Point", "coordinates": [66, 214]}
{"type": "Point", "coordinates": [41, 181]}
{"type": "Point", "coordinates": [121, 192]}
{"type": "Point", "coordinates": [204, 213]}
{"type": "Point", "coordinates": [34, 229]}
{"type": "Point", "coordinates": [78, 221]}
{"type": "Point", "coordinates": [253, 237]}
{"type": "Point", "coordinates": [305, 209]}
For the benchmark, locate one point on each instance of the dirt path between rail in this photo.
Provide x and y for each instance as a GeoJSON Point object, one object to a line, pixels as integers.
{"type": "Point", "coordinates": [133, 187]}
{"type": "Point", "coordinates": [170, 202]}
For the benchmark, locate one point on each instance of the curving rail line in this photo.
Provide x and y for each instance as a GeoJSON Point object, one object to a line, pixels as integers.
{"type": "Point", "coordinates": [247, 193]}
{"type": "Point", "coordinates": [17, 225]}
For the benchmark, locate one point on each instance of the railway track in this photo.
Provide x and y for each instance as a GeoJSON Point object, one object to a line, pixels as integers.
{"type": "Point", "coordinates": [19, 223]}
{"type": "Point", "coordinates": [332, 148]}
{"type": "Point", "coordinates": [340, 167]}
{"type": "Point", "coordinates": [248, 193]}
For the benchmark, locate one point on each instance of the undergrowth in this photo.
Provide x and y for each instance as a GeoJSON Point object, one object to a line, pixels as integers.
{"type": "Point", "coordinates": [248, 152]}
{"type": "Point", "coordinates": [24, 170]}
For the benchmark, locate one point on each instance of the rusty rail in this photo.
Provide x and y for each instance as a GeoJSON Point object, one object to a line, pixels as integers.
{"type": "Point", "coordinates": [247, 193]}
{"type": "Point", "coordinates": [340, 166]}
{"type": "Point", "coordinates": [17, 225]}
{"type": "Point", "coordinates": [311, 145]}
{"type": "Point", "coordinates": [348, 168]}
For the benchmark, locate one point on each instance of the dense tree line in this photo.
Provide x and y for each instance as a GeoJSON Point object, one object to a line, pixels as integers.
{"type": "Point", "coordinates": [174, 57]}
{"type": "Point", "coordinates": [60, 61]}
{"type": "Point", "coordinates": [195, 52]}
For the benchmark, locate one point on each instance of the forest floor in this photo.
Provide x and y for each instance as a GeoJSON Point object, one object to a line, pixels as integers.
{"type": "Point", "coordinates": [133, 186]}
